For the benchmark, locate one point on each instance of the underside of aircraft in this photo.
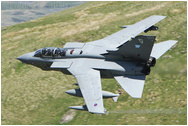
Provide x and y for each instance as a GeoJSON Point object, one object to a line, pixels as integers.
{"type": "Point", "coordinates": [124, 55]}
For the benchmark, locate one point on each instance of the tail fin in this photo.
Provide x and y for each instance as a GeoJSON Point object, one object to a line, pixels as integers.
{"type": "Point", "coordinates": [139, 48]}
{"type": "Point", "coordinates": [116, 98]}
{"type": "Point", "coordinates": [160, 48]}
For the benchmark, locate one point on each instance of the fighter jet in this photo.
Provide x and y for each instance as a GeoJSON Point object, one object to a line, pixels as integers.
{"type": "Point", "coordinates": [124, 55]}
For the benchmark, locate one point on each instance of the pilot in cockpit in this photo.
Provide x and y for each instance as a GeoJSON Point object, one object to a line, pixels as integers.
{"type": "Point", "coordinates": [50, 52]}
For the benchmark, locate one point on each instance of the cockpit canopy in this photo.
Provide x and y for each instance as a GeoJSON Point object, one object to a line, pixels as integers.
{"type": "Point", "coordinates": [50, 52]}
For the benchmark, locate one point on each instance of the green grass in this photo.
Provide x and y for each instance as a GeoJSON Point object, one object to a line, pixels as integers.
{"type": "Point", "coordinates": [32, 96]}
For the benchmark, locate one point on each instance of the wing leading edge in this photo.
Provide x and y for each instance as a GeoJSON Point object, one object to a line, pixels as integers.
{"type": "Point", "coordinates": [90, 85]}
{"type": "Point", "coordinates": [120, 37]}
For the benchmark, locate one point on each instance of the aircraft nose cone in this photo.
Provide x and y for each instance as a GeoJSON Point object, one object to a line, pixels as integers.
{"type": "Point", "coordinates": [23, 58]}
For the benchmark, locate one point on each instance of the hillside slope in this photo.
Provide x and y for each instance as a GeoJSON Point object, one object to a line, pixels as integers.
{"type": "Point", "coordinates": [32, 96]}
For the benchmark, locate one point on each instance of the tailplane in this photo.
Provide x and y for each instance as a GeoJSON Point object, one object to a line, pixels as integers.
{"type": "Point", "coordinates": [133, 85]}
{"type": "Point", "coordinates": [160, 48]}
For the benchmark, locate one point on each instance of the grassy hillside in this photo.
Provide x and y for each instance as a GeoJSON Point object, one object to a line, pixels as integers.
{"type": "Point", "coordinates": [32, 96]}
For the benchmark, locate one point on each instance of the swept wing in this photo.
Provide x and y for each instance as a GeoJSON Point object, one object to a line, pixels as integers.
{"type": "Point", "coordinates": [120, 37]}
{"type": "Point", "coordinates": [90, 85]}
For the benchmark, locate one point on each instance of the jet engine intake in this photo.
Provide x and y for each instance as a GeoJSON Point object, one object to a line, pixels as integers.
{"type": "Point", "coordinates": [151, 62]}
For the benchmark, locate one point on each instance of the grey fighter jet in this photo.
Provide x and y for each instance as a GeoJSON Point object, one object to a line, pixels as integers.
{"type": "Point", "coordinates": [124, 55]}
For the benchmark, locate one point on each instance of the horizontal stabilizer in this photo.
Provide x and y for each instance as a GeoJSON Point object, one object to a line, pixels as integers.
{"type": "Point", "coordinates": [133, 85]}
{"type": "Point", "coordinates": [160, 48]}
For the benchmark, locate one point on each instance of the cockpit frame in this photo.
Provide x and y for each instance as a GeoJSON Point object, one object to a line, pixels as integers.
{"type": "Point", "coordinates": [50, 52]}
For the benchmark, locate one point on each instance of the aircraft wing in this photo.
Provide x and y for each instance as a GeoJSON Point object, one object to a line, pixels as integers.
{"type": "Point", "coordinates": [120, 37]}
{"type": "Point", "coordinates": [89, 82]}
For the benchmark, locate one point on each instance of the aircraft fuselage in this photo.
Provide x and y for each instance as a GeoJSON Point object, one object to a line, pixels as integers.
{"type": "Point", "coordinates": [107, 68]}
